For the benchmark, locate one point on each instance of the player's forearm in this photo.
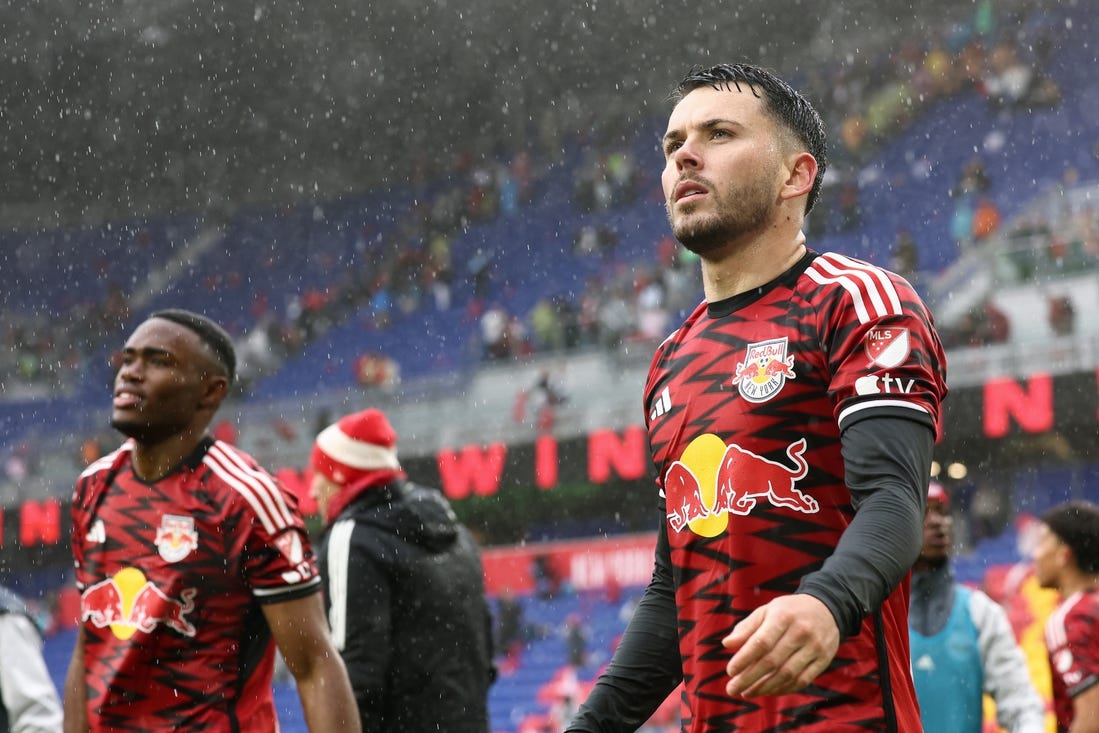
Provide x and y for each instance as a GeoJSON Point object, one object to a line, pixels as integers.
{"type": "Point", "coordinates": [644, 671]}
{"type": "Point", "coordinates": [76, 717]}
{"type": "Point", "coordinates": [646, 666]}
{"type": "Point", "coordinates": [872, 558]}
{"type": "Point", "coordinates": [327, 700]}
{"type": "Point", "coordinates": [887, 462]}
{"type": "Point", "coordinates": [1084, 725]}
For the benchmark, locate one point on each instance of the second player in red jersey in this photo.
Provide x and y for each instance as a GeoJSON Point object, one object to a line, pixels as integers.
{"type": "Point", "coordinates": [1066, 558]}
{"type": "Point", "coordinates": [192, 561]}
{"type": "Point", "coordinates": [170, 562]}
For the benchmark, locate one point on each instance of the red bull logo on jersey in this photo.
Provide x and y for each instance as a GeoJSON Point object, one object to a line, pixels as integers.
{"type": "Point", "coordinates": [176, 537]}
{"type": "Point", "coordinates": [764, 371]}
{"type": "Point", "coordinates": [712, 480]}
{"type": "Point", "coordinates": [128, 603]}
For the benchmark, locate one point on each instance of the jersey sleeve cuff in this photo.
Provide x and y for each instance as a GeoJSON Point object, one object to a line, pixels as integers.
{"type": "Point", "coordinates": [885, 408]}
{"type": "Point", "coordinates": [287, 592]}
{"type": "Point", "coordinates": [848, 615]}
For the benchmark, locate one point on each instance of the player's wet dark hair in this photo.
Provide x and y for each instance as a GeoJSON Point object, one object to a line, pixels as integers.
{"type": "Point", "coordinates": [1076, 523]}
{"type": "Point", "coordinates": [780, 100]}
{"type": "Point", "coordinates": [213, 335]}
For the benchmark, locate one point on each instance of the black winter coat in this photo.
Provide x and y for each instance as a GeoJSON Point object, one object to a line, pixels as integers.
{"type": "Point", "coordinates": [406, 603]}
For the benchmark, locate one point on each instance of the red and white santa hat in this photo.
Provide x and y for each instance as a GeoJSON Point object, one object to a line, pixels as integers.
{"type": "Point", "coordinates": [357, 445]}
{"type": "Point", "coordinates": [937, 492]}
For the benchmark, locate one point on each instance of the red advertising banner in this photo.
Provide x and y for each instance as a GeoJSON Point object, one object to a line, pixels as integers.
{"type": "Point", "coordinates": [618, 561]}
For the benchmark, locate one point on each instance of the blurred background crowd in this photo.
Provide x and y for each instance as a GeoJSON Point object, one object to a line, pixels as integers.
{"type": "Point", "coordinates": [455, 213]}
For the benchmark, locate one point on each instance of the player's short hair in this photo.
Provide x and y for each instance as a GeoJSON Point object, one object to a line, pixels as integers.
{"type": "Point", "coordinates": [780, 100]}
{"type": "Point", "coordinates": [1076, 523]}
{"type": "Point", "coordinates": [213, 335]}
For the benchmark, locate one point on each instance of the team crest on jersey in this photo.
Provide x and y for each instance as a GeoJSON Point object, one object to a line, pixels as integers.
{"type": "Point", "coordinates": [764, 371]}
{"type": "Point", "coordinates": [888, 347]}
{"type": "Point", "coordinates": [176, 537]}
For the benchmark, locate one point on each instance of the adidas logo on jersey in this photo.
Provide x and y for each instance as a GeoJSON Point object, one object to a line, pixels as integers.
{"type": "Point", "coordinates": [662, 405]}
{"type": "Point", "coordinates": [97, 533]}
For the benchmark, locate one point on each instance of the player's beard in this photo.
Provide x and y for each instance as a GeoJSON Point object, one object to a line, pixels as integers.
{"type": "Point", "coordinates": [143, 432]}
{"type": "Point", "coordinates": [149, 428]}
{"type": "Point", "coordinates": [739, 211]}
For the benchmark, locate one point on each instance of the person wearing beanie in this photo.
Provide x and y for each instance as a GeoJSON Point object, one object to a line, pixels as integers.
{"type": "Point", "coordinates": [405, 587]}
{"type": "Point", "coordinates": [962, 642]}
{"type": "Point", "coordinates": [193, 562]}
{"type": "Point", "coordinates": [1066, 558]}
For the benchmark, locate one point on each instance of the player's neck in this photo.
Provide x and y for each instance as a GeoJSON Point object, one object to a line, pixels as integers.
{"type": "Point", "coordinates": [154, 461]}
{"type": "Point", "coordinates": [1079, 583]}
{"type": "Point", "coordinates": [750, 265]}
{"type": "Point", "coordinates": [929, 565]}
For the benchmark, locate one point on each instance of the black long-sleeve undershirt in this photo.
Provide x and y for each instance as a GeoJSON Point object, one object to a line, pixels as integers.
{"type": "Point", "coordinates": [646, 665]}
{"type": "Point", "coordinates": [886, 461]}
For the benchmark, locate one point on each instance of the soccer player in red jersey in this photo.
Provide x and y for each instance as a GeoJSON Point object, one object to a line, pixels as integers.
{"type": "Point", "coordinates": [1066, 558]}
{"type": "Point", "coordinates": [791, 421]}
{"type": "Point", "coordinates": [192, 561]}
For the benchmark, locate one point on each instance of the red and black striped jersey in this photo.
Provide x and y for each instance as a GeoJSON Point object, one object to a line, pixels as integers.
{"type": "Point", "coordinates": [1073, 646]}
{"type": "Point", "coordinates": [172, 576]}
{"type": "Point", "coordinates": [745, 403]}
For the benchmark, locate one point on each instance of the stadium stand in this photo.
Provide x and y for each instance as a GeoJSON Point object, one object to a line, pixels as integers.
{"type": "Point", "coordinates": [265, 260]}
{"type": "Point", "coordinates": [305, 266]}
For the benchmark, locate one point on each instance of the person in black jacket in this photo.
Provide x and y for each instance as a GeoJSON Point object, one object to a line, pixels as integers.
{"type": "Point", "coordinates": [405, 588]}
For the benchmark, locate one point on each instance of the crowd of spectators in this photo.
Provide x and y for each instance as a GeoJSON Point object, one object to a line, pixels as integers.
{"type": "Point", "coordinates": [1001, 53]}
{"type": "Point", "coordinates": [409, 268]}
{"type": "Point", "coordinates": [41, 352]}
{"type": "Point", "coordinates": [1056, 239]}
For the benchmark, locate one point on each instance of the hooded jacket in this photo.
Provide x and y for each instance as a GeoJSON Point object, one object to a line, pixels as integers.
{"type": "Point", "coordinates": [406, 604]}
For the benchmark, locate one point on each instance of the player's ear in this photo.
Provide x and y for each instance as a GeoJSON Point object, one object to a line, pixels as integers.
{"type": "Point", "coordinates": [801, 172]}
{"type": "Point", "coordinates": [1066, 556]}
{"type": "Point", "coordinates": [215, 390]}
